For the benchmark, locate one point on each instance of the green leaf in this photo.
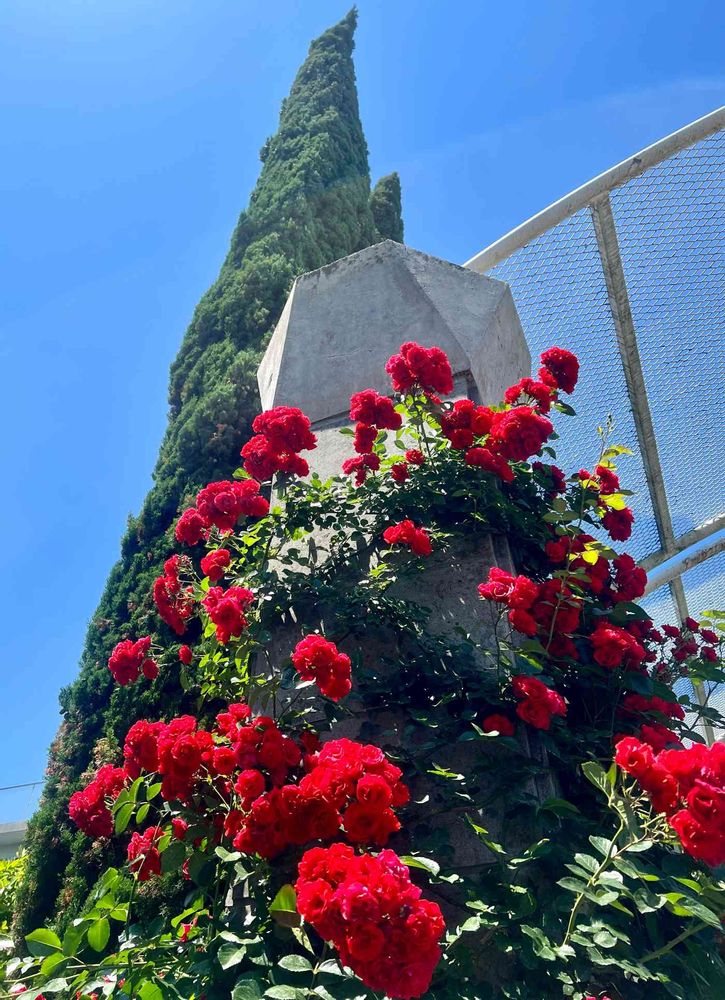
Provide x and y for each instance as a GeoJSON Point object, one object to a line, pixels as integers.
{"type": "Point", "coordinates": [150, 991]}
{"type": "Point", "coordinates": [72, 939]}
{"type": "Point", "coordinates": [227, 856]}
{"type": "Point", "coordinates": [51, 962]}
{"type": "Point", "coordinates": [143, 811]}
{"type": "Point", "coordinates": [42, 942]}
{"type": "Point", "coordinates": [247, 989]}
{"type": "Point", "coordinates": [152, 791]}
{"type": "Point", "coordinates": [427, 864]}
{"type": "Point", "coordinates": [643, 845]}
{"type": "Point", "coordinates": [601, 844]}
{"type": "Point", "coordinates": [596, 774]}
{"type": "Point", "coordinates": [231, 954]}
{"type": "Point", "coordinates": [542, 946]}
{"type": "Point", "coordinates": [573, 884]}
{"type": "Point", "coordinates": [98, 934]}
{"type": "Point", "coordinates": [123, 817]}
{"type": "Point", "coordinates": [173, 857]}
{"type": "Point", "coordinates": [295, 963]}
{"type": "Point", "coordinates": [286, 993]}
{"type": "Point", "coordinates": [284, 907]}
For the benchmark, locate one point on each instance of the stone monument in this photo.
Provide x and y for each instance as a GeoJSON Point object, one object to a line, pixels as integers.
{"type": "Point", "coordinates": [339, 326]}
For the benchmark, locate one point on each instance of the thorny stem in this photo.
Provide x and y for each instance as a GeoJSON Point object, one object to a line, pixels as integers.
{"type": "Point", "coordinates": [652, 955]}
{"type": "Point", "coordinates": [611, 851]}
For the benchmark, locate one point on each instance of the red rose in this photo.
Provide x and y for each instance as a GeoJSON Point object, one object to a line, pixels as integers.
{"type": "Point", "coordinates": [406, 533]}
{"type": "Point", "coordinates": [428, 368]}
{"type": "Point", "coordinates": [529, 391]}
{"type": "Point", "coordinates": [615, 647]}
{"type": "Point", "coordinates": [369, 407]}
{"type": "Point", "coordinates": [226, 609]}
{"type": "Point", "coordinates": [619, 524]}
{"type": "Point", "coordinates": [317, 659]}
{"type": "Point", "coordinates": [128, 658]}
{"type": "Point", "coordinates": [562, 366]}
{"type": "Point", "coordinates": [634, 757]}
{"type": "Point", "coordinates": [191, 527]}
{"type": "Point", "coordinates": [484, 458]}
{"type": "Point", "coordinates": [520, 433]}
{"type": "Point", "coordinates": [700, 842]}
{"type": "Point", "coordinates": [499, 724]}
{"type": "Point", "coordinates": [215, 563]}
{"type": "Point", "coordinates": [365, 438]}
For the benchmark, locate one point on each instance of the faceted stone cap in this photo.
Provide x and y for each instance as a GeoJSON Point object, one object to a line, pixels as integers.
{"type": "Point", "coordinates": [341, 324]}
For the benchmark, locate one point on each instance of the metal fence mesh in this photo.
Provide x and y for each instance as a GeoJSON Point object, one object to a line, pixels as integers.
{"type": "Point", "coordinates": [671, 228]}
{"type": "Point", "coordinates": [670, 225]}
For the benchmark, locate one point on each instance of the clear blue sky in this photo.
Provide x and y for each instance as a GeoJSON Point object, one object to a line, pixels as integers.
{"type": "Point", "coordinates": [129, 133]}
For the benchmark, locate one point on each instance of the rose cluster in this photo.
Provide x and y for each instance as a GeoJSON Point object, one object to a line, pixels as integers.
{"type": "Point", "coordinates": [371, 413]}
{"type": "Point", "coordinates": [494, 439]}
{"type": "Point", "coordinates": [220, 505]}
{"type": "Point", "coordinates": [129, 659]}
{"type": "Point", "coordinates": [688, 786]}
{"type": "Point", "coordinates": [280, 435]}
{"type": "Point", "coordinates": [537, 703]}
{"type": "Point", "coordinates": [375, 917]}
{"type": "Point", "coordinates": [549, 610]}
{"type": "Point", "coordinates": [174, 602]}
{"type": "Point", "coordinates": [424, 368]}
{"type": "Point", "coordinates": [226, 608]}
{"type": "Point", "coordinates": [279, 792]}
{"type": "Point", "coordinates": [622, 580]}
{"type": "Point", "coordinates": [690, 640]}
{"type": "Point", "coordinates": [406, 533]}
{"type": "Point", "coordinates": [317, 659]}
{"type": "Point", "coordinates": [348, 786]}
{"type": "Point", "coordinates": [89, 809]}
{"type": "Point", "coordinates": [143, 853]}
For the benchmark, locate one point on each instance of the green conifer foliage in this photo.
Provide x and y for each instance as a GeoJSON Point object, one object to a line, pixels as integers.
{"type": "Point", "coordinates": [311, 205]}
{"type": "Point", "coordinates": [385, 204]}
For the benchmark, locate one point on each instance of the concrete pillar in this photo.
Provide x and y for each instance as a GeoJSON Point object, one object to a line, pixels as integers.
{"type": "Point", "coordinates": [339, 327]}
{"type": "Point", "coordinates": [342, 323]}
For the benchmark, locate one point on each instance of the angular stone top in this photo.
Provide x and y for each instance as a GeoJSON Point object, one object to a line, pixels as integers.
{"type": "Point", "coordinates": [341, 324]}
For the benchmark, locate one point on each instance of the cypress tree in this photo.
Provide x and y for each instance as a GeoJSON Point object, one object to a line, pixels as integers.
{"type": "Point", "coordinates": [385, 204]}
{"type": "Point", "coordinates": [311, 205]}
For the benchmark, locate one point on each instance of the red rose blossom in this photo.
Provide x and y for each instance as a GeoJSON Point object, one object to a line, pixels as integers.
{"type": "Point", "coordinates": [215, 563]}
{"type": "Point", "coordinates": [406, 533]}
{"type": "Point", "coordinates": [369, 407]}
{"type": "Point", "coordinates": [499, 724]}
{"type": "Point", "coordinates": [374, 916]}
{"type": "Point", "coordinates": [427, 368]}
{"type": "Point", "coordinates": [128, 659]}
{"type": "Point", "coordinates": [519, 433]}
{"type": "Point", "coordinates": [226, 609]}
{"type": "Point", "coordinates": [317, 659]}
{"type": "Point", "coordinates": [562, 366]}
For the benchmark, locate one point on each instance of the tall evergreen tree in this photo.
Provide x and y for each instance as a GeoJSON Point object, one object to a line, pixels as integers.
{"type": "Point", "coordinates": [311, 205]}
{"type": "Point", "coordinates": [385, 204]}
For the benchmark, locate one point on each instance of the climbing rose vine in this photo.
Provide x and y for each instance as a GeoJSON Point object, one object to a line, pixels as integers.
{"type": "Point", "coordinates": [297, 830]}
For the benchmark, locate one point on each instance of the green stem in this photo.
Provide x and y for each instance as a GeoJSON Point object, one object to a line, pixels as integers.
{"type": "Point", "coordinates": [611, 850]}
{"type": "Point", "coordinates": [652, 955]}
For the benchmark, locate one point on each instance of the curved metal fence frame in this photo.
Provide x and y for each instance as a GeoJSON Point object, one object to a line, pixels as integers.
{"type": "Point", "coordinates": [676, 554]}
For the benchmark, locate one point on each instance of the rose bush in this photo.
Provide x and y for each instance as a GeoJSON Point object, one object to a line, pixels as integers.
{"type": "Point", "coordinates": [302, 865]}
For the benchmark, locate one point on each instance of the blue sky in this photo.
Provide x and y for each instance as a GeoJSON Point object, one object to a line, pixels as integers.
{"type": "Point", "coordinates": [129, 134]}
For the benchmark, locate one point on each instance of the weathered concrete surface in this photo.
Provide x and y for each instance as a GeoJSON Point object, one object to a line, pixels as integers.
{"type": "Point", "coordinates": [338, 328]}
{"type": "Point", "coordinates": [342, 322]}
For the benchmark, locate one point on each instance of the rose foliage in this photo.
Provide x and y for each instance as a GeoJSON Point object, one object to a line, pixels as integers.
{"type": "Point", "coordinates": [364, 804]}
